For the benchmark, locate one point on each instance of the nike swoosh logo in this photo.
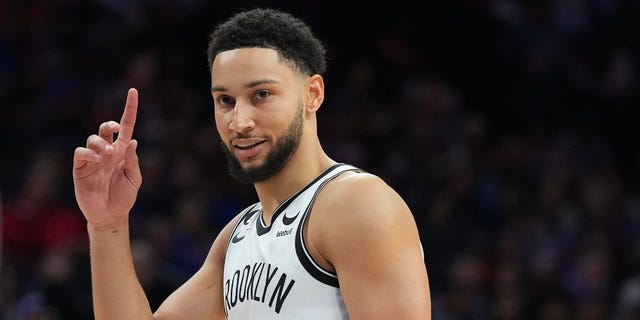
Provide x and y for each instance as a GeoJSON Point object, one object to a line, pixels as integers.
{"type": "Point", "coordinates": [245, 221]}
{"type": "Point", "coordinates": [289, 220]}
{"type": "Point", "coordinates": [237, 238]}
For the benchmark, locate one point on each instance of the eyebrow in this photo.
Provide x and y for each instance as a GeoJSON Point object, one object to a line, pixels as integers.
{"type": "Point", "coordinates": [248, 85]}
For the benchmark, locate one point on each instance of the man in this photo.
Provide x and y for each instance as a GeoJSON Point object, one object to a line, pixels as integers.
{"type": "Point", "coordinates": [325, 241]}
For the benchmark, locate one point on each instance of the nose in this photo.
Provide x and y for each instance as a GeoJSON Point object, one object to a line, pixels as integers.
{"type": "Point", "coordinates": [242, 120]}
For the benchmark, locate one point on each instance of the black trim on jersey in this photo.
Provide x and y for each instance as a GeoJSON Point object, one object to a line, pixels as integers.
{"type": "Point", "coordinates": [315, 270]}
{"type": "Point", "coordinates": [262, 227]}
{"type": "Point", "coordinates": [248, 213]}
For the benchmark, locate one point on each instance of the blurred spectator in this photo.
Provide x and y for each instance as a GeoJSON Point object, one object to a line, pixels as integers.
{"type": "Point", "coordinates": [41, 238]}
{"type": "Point", "coordinates": [36, 220]}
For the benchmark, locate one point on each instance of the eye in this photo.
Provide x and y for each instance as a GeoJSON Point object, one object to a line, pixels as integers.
{"type": "Point", "coordinates": [225, 101]}
{"type": "Point", "coordinates": [262, 94]}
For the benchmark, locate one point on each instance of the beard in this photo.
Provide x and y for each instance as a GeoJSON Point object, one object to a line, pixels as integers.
{"type": "Point", "coordinates": [284, 148]}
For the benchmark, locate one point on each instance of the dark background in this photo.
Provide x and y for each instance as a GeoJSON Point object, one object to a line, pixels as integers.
{"type": "Point", "coordinates": [508, 127]}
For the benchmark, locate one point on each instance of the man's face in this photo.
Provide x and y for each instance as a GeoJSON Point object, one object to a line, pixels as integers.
{"type": "Point", "coordinates": [258, 111]}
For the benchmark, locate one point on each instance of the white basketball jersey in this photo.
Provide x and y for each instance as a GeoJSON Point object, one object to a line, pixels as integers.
{"type": "Point", "coordinates": [268, 272]}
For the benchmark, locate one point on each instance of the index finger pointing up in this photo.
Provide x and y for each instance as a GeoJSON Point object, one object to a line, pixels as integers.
{"type": "Point", "coordinates": [128, 120]}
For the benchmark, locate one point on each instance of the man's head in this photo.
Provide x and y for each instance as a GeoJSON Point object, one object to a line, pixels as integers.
{"type": "Point", "coordinates": [269, 28]}
{"type": "Point", "coordinates": [266, 85]}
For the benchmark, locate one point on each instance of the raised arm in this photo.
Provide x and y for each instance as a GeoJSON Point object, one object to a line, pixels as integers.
{"type": "Point", "coordinates": [366, 232]}
{"type": "Point", "coordinates": [106, 178]}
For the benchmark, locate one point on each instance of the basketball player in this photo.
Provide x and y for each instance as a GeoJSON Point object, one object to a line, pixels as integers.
{"type": "Point", "coordinates": [325, 241]}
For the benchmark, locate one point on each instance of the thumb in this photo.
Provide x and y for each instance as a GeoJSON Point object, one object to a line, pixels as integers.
{"type": "Point", "coordinates": [131, 163]}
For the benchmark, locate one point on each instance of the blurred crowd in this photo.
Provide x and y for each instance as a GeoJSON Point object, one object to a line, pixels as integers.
{"type": "Point", "coordinates": [508, 126]}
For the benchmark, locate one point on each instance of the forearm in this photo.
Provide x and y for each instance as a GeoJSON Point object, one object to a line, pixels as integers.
{"type": "Point", "coordinates": [117, 293]}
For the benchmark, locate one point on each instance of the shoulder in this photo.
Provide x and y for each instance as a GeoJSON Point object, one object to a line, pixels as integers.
{"type": "Point", "coordinates": [361, 193]}
{"type": "Point", "coordinates": [363, 230]}
{"type": "Point", "coordinates": [356, 207]}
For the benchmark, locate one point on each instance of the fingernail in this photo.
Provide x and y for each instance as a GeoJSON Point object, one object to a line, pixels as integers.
{"type": "Point", "coordinates": [108, 148]}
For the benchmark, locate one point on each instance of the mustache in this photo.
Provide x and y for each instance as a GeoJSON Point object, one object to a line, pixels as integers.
{"type": "Point", "coordinates": [243, 136]}
{"type": "Point", "coordinates": [246, 136]}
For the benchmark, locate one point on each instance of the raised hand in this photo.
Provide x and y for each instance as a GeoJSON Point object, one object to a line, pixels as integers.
{"type": "Point", "coordinates": [106, 173]}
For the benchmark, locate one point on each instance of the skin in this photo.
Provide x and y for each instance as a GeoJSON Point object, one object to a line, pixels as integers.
{"type": "Point", "coordinates": [374, 250]}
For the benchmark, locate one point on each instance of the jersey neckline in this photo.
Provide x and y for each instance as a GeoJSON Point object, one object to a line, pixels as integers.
{"type": "Point", "coordinates": [263, 228]}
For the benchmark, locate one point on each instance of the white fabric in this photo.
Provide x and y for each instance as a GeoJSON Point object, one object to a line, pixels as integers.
{"type": "Point", "coordinates": [268, 273]}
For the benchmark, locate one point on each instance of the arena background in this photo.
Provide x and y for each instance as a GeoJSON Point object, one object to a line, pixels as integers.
{"type": "Point", "coordinates": [508, 126]}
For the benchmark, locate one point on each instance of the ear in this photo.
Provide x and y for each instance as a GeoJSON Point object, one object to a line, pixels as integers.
{"type": "Point", "coordinates": [314, 92]}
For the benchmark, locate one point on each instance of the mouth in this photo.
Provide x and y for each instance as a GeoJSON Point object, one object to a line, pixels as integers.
{"type": "Point", "coordinates": [246, 144]}
{"type": "Point", "coordinates": [247, 148]}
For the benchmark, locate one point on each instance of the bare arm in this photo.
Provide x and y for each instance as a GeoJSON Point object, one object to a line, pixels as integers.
{"type": "Point", "coordinates": [198, 298]}
{"type": "Point", "coordinates": [117, 293]}
{"type": "Point", "coordinates": [368, 235]}
{"type": "Point", "coordinates": [106, 177]}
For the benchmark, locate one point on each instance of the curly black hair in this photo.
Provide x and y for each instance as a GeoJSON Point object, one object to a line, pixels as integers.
{"type": "Point", "coordinates": [270, 28]}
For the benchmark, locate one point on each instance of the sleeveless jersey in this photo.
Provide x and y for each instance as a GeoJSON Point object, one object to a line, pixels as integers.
{"type": "Point", "coordinates": [268, 271]}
